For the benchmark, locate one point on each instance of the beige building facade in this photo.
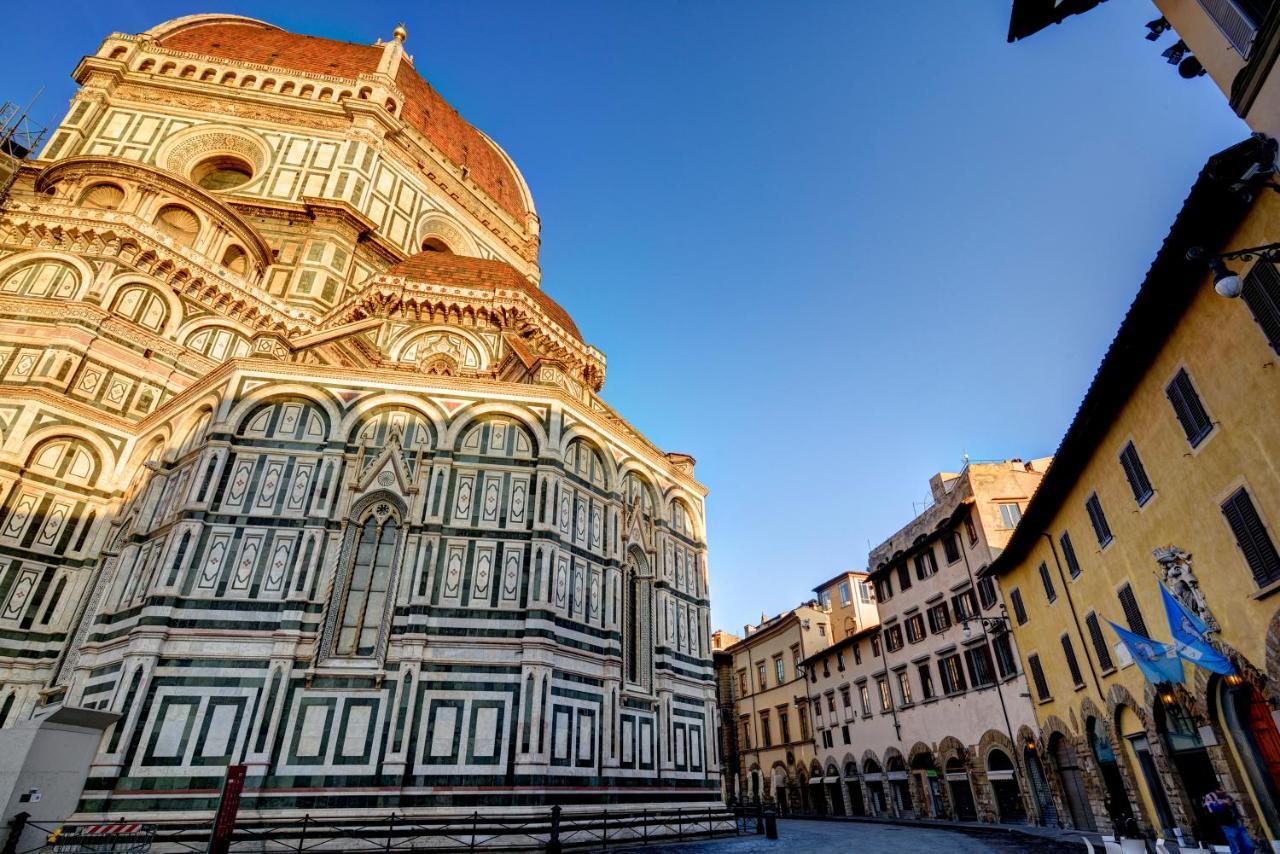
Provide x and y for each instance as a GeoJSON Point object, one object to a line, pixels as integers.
{"type": "Point", "coordinates": [850, 602]}
{"type": "Point", "coordinates": [943, 667]}
{"type": "Point", "coordinates": [773, 734]}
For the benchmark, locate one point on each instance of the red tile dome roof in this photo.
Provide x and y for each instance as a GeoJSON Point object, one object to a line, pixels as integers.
{"type": "Point", "coordinates": [247, 40]}
{"type": "Point", "coordinates": [443, 268]}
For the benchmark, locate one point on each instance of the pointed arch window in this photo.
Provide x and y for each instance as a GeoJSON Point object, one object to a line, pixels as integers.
{"type": "Point", "coordinates": [637, 637]}
{"type": "Point", "coordinates": [370, 568]}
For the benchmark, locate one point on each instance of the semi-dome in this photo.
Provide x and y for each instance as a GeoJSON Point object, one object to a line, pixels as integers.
{"type": "Point", "coordinates": [242, 39]}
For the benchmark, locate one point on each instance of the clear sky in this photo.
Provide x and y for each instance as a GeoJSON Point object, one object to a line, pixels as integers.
{"type": "Point", "coordinates": [827, 247]}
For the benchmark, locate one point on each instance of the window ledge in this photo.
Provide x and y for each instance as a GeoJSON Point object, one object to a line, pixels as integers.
{"type": "Point", "coordinates": [1045, 700]}
{"type": "Point", "coordinates": [1078, 688]}
{"type": "Point", "coordinates": [1264, 592]}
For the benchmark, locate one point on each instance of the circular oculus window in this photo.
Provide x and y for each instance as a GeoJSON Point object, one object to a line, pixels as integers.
{"type": "Point", "coordinates": [223, 172]}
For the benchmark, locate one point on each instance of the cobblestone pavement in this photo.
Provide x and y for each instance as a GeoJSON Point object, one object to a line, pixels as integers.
{"type": "Point", "coordinates": [796, 836]}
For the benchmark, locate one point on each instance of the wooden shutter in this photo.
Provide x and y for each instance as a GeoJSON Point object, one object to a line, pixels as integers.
{"type": "Point", "coordinates": [1135, 473]}
{"type": "Point", "coordinates": [1099, 519]}
{"type": "Point", "coordinates": [1188, 408]}
{"type": "Point", "coordinates": [1049, 592]}
{"type": "Point", "coordinates": [1132, 613]}
{"type": "Point", "coordinates": [1100, 647]}
{"type": "Point", "coordinates": [1019, 610]}
{"type": "Point", "coordinates": [1072, 664]}
{"type": "Point", "coordinates": [1252, 537]}
{"type": "Point", "coordinates": [1037, 676]}
{"type": "Point", "coordinates": [1069, 554]}
{"type": "Point", "coordinates": [1262, 295]}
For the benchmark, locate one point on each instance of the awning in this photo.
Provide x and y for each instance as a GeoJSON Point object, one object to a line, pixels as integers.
{"type": "Point", "coordinates": [813, 781]}
{"type": "Point", "coordinates": [957, 775]}
{"type": "Point", "coordinates": [832, 779]}
{"type": "Point", "coordinates": [999, 775]}
{"type": "Point", "coordinates": [897, 775]}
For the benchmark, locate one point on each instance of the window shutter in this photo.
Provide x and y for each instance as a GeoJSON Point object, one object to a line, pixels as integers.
{"type": "Point", "coordinates": [1132, 614]}
{"type": "Point", "coordinates": [1099, 642]}
{"type": "Point", "coordinates": [1262, 295]}
{"type": "Point", "coordinates": [1188, 408]}
{"type": "Point", "coordinates": [1069, 554]}
{"type": "Point", "coordinates": [1019, 610]}
{"type": "Point", "coordinates": [1072, 664]}
{"type": "Point", "coordinates": [1252, 537]}
{"type": "Point", "coordinates": [1037, 675]}
{"type": "Point", "coordinates": [1099, 519]}
{"type": "Point", "coordinates": [1135, 473]}
{"type": "Point", "coordinates": [1049, 592]}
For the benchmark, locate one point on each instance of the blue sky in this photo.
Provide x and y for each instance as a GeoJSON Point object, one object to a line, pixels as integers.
{"type": "Point", "coordinates": [828, 247]}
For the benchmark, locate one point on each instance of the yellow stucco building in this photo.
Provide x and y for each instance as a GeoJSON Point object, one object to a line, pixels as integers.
{"type": "Point", "coordinates": [1168, 473]}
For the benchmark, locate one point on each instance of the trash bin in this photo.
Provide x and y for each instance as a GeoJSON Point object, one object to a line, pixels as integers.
{"type": "Point", "coordinates": [770, 824]}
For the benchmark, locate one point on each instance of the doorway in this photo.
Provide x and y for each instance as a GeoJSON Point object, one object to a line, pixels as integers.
{"type": "Point", "coordinates": [1248, 719]}
{"type": "Point", "coordinates": [961, 791]}
{"type": "Point", "coordinates": [1004, 788]}
{"type": "Point", "coordinates": [1073, 789]}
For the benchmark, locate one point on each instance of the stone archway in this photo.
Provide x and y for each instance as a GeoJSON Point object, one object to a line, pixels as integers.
{"type": "Point", "coordinates": [927, 787]}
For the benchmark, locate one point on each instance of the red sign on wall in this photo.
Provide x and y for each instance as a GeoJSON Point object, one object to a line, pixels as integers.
{"type": "Point", "coordinates": [224, 821]}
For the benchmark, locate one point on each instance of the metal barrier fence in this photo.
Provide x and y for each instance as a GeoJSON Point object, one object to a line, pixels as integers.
{"type": "Point", "coordinates": [549, 831]}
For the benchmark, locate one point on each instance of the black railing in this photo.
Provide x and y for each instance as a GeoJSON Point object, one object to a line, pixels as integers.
{"type": "Point", "coordinates": [551, 830]}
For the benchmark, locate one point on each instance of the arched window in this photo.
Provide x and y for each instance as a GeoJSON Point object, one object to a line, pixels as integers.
{"type": "Point", "coordinates": [221, 172]}
{"type": "Point", "coordinates": [637, 641]}
{"type": "Point", "coordinates": [68, 460]}
{"type": "Point", "coordinates": [371, 559]}
{"type": "Point", "coordinates": [49, 279]}
{"type": "Point", "coordinates": [179, 223]}
{"type": "Point", "coordinates": [435, 244]}
{"type": "Point", "coordinates": [143, 305]}
{"type": "Point", "coordinates": [103, 197]}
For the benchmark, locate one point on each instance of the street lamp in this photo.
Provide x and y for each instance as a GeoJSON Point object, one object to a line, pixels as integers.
{"type": "Point", "coordinates": [990, 625]}
{"type": "Point", "coordinates": [1226, 281]}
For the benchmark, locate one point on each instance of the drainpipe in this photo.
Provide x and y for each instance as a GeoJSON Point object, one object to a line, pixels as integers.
{"type": "Point", "coordinates": [1084, 644]}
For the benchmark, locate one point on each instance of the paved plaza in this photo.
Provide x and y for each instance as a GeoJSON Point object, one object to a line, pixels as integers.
{"type": "Point", "coordinates": [795, 836]}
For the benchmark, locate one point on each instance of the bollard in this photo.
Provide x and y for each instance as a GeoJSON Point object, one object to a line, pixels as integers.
{"type": "Point", "coordinates": [770, 824]}
{"type": "Point", "coordinates": [553, 840]}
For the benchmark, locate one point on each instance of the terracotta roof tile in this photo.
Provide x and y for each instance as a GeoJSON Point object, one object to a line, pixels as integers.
{"type": "Point", "coordinates": [443, 268]}
{"type": "Point", "coordinates": [425, 109]}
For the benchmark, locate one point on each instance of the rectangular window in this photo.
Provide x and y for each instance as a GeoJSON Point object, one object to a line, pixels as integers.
{"type": "Point", "coordinates": [864, 592]}
{"type": "Point", "coordinates": [766, 738]}
{"type": "Point", "coordinates": [971, 530]}
{"type": "Point", "coordinates": [939, 618]}
{"type": "Point", "coordinates": [884, 589]}
{"type": "Point", "coordinates": [986, 592]}
{"type": "Point", "coordinates": [831, 703]}
{"type": "Point", "coordinates": [844, 733]}
{"type": "Point", "coordinates": [742, 683]}
{"type": "Point", "coordinates": [1132, 613]}
{"type": "Point", "coordinates": [1252, 537]}
{"type": "Point", "coordinates": [760, 673]}
{"type": "Point", "coordinates": [1099, 520]}
{"type": "Point", "coordinates": [784, 727]}
{"type": "Point", "coordinates": [1100, 647]}
{"type": "Point", "coordinates": [795, 659]}
{"type": "Point", "coordinates": [778, 669]}
{"type": "Point", "coordinates": [857, 653]}
{"type": "Point", "coordinates": [965, 605]}
{"type": "Point", "coordinates": [1005, 662]}
{"type": "Point", "coordinates": [845, 598]}
{"type": "Point", "coordinates": [1188, 408]}
{"type": "Point", "coordinates": [1262, 295]}
{"type": "Point", "coordinates": [1047, 580]}
{"type": "Point", "coordinates": [981, 670]}
{"type": "Point", "coordinates": [926, 564]}
{"type": "Point", "coordinates": [1073, 666]}
{"type": "Point", "coordinates": [1136, 474]}
{"type": "Point", "coordinates": [824, 598]}
{"type": "Point", "coordinates": [865, 697]}
{"type": "Point", "coordinates": [745, 724]}
{"type": "Point", "coordinates": [839, 659]}
{"type": "Point", "coordinates": [951, 547]}
{"type": "Point", "coordinates": [893, 638]}
{"type": "Point", "coordinates": [1019, 609]}
{"type": "Point", "coordinates": [915, 628]}
{"type": "Point", "coordinates": [952, 673]}
{"type": "Point", "coordinates": [827, 738]}
{"type": "Point", "coordinates": [886, 702]}
{"type": "Point", "coordinates": [845, 699]}
{"type": "Point", "coordinates": [822, 630]}
{"type": "Point", "coordinates": [804, 724]}
{"type": "Point", "coordinates": [1037, 676]}
{"type": "Point", "coordinates": [904, 577]}
{"type": "Point", "coordinates": [904, 687]}
{"type": "Point", "coordinates": [875, 646]}
{"type": "Point", "coordinates": [926, 681]}
{"type": "Point", "coordinates": [1009, 515]}
{"type": "Point", "coordinates": [1069, 554]}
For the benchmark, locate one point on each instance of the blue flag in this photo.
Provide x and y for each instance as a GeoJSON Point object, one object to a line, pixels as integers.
{"type": "Point", "coordinates": [1159, 662]}
{"type": "Point", "coordinates": [1190, 637]}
